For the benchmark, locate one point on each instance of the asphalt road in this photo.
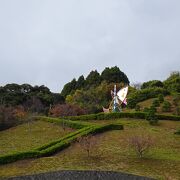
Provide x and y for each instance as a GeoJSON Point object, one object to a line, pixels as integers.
{"type": "Point", "coordinates": [81, 175]}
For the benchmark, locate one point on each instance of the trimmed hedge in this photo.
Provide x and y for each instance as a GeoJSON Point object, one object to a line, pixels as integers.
{"type": "Point", "coordinates": [107, 116]}
{"type": "Point", "coordinates": [58, 145]}
{"type": "Point", "coordinates": [18, 156]}
{"type": "Point", "coordinates": [65, 122]}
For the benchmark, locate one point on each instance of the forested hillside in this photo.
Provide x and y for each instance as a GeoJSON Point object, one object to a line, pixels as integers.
{"type": "Point", "coordinates": [88, 95]}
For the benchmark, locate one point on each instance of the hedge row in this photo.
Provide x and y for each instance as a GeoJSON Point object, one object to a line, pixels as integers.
{"type": "Point", "coordinates": [65, 122]}
{"type": "Point", "coordinates": [58, 145]}
{"type": "Point", "coordinates": [107, 116]}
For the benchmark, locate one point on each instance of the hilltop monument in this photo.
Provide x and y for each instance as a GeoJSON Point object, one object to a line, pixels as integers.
{"type": "Point", "coordinates": [118, 98]}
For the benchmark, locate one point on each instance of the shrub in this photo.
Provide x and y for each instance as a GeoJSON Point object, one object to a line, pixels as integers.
{"type": "Point", "coordinates": [156, 103]}
{"type": "Point", "coordinates": [153, 108]}
{"type": "Point", "coordinates": [151, 117]}
{"type": "Point", "coordinates": [106, 116]}
{"type": "Point", "coordinates": [137, 108]}
{"type": "Point", "coordinates": [177, 132]}
{"type": "Point", "coordinates": [176, 99]}
{"type": "Point", "coordinates": [144, 94]}
{"type": "Point", "coordinates": [166, 107]}
{"type": "Point", "coordinates": [141, 143]}
{"type": "Point", "coordinates": [146, 109]}
{"type": "Point", "coordinates": [61, 110]}
{"type": "Point", "coordinates": [161, 98]}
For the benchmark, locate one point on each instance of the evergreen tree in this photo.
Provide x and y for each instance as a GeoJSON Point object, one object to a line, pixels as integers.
{"type": "Point", "coordinates": [93, 79]}
{"type": "Point", "coordinates": [80, 82]}
{"type": "Point", "coordinates": [114, 75]}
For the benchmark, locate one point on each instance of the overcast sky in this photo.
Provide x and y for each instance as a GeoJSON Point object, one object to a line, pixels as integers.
{"type": "Point", "coordinates": [52, 41]}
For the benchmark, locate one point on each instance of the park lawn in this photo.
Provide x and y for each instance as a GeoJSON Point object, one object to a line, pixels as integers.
{"type": "Point", "coordinates": [29, 135]}
{"type": "Point", "coordinates": [114, 154]}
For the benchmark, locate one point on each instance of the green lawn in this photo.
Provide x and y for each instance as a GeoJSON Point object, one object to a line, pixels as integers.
{"type": "Point", "coordinates": [29, 135]}
{"type": "Point", "coordinates": [162, 162]}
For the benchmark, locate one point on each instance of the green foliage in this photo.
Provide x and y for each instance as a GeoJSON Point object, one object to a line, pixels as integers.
{"type": "Point", "coordinates": [166, 107]}
{"type": "Point", "coordinates": [107, 116]}
{"type": "Point", "coordinates": [152, 84]}
{"type": "Point", "coordinates": [137, 108]}
{"type": "Point", "coordinates": [144, 94]}
{"type": "Point", "coordinates": [176, 99]}
{"type": "Point", "coordinates": [153, 108]}
{"type": "Point", "coordinates": [93, 79]}
{"type": "Point", "coordinates": [177, 132]}
{"type": "Point", "coordinates": [92, 99]}
{"type": "Point", "coordinates": [80, 82]}
{"type": "Point", "coordinates": [173, 82]}
{"type": "Point", "coordinates": [156, 103]}
{"type": "Point", "coordinates": [93, 93]}
{"type": "Point", "coordinates": [151, 117]}
{"type": "Point", "coordinates": [146, 109]}
{"type": "Point", "coordinates": [161, 98]}
{"type": "Point", "coordinates": [69, 88]}
{"type": "Point", "coordinates": [35, 99]}
{"type": "Point", "coordinates": [58, 145]}
{"type": "Point", "coordinates": [114, 75]}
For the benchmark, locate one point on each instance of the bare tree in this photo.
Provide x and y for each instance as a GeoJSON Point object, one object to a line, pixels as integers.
{"type": "Point", "coordinates": [89, 144]}
{"type": "Point", "coordinates": [141, 143]}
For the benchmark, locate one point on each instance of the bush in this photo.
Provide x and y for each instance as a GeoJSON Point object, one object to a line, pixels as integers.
{"type": "Point", "coordinates": [153, 108]}
{"type": "Point", "coordinates": [61, 110]}
{"type": "Point", "coordinates": [146, 109]}
{"type": "Point", "coordinates": [161, 98]}
{"type": "Point", "coordinates": [177, 132]}
{"type": "Point", "coordinates": [145, 94]}
{"type": "Point", "coordinates": [176, 99]}
{"type": "Point", "coordinates": [151, 117]}
{"type": "Point", "coordinates": [137, 108]}
{"type": "Point", "coordinates": [106, 116]}
{"type": "Point", "coordinates": [156, 103]}
{"type": "Point", "coordinates": [166, 107]}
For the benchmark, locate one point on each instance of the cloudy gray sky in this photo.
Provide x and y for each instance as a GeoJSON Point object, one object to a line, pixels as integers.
{"type": "Point", "coordinates": [52, 41]}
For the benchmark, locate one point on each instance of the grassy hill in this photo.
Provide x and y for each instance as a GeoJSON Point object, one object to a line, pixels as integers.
{"type": "Point", "coordinates": [29, 135]}
{"type": "Point", "coordinates": [113, 152]}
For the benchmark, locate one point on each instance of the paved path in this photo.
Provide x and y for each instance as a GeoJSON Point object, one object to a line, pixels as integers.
{"type": "Point", "coordinates": [81, 175]}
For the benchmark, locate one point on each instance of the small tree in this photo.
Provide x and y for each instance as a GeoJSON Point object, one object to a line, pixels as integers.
{"type": "Point", "coordinates": [89, 144]}
{"type": "Point", "coordinates": [141, 143]}
{"type": "Point", "coordinates": [166, 107]}
{"type": "Point", "coordinates": [146, 109]}
{"type": "Point", "coordinates": [153, 108]}
{"type": "Point", "coordinates": [161, 98]}
{"type": "Point", "coordinates": [156, 103]}
{"type": "Point", "coordinates": [151, 117]}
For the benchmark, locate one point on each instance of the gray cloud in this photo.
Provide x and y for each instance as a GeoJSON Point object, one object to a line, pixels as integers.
{"type": "Point", "coordinates": [51, 41]}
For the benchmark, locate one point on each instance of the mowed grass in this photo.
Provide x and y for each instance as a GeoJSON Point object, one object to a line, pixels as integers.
{"type": "Point", "coordinates": [114, 154]}
{"type": "Point", "coordinates": [28, 136]}
{"type": "Point", "coordinates": [147, 103]}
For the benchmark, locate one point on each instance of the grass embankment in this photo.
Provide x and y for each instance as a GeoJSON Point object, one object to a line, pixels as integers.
{"type": "Point", "coordinates": [29, 135]}
{"type": "Point", "coordinates": [163, 161]}
{"type": "Point", "coordinates": [147, 103]}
